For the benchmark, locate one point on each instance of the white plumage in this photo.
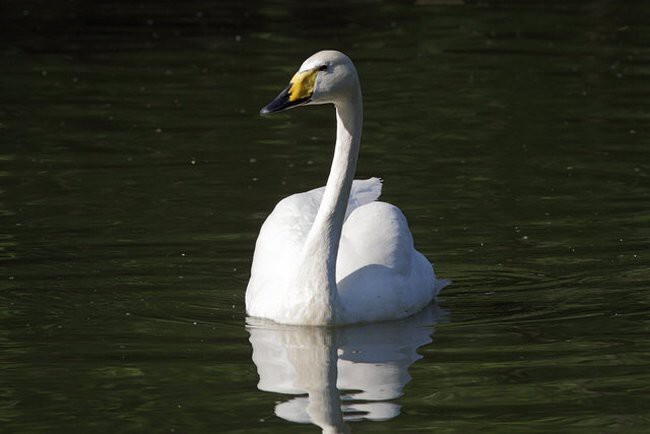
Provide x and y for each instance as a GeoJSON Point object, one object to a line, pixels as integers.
{"type": "Point", "coordinates": [334, 255]}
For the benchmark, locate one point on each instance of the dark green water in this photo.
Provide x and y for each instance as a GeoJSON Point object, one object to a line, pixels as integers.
{"type": "Point", "coordinates": [135, 174]}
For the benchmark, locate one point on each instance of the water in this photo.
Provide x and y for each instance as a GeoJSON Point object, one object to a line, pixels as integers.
{"type": "Point", "coordinates": [135, 174]}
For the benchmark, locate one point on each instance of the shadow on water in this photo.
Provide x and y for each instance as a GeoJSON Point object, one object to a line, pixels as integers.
{"type": "Point", "coordinates": [339, 375]}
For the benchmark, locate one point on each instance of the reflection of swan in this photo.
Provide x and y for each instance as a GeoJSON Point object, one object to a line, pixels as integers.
{"type": "Point", "coordinates": [369, 363]}
{"type": "Point", "coordinates": [333, 255]}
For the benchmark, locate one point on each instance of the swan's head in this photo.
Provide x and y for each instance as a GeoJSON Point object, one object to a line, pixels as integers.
{"type": "Point", "coordinates": [325, 77]}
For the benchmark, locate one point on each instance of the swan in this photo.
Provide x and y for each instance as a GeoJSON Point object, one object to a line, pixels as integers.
{"type": "Point", "coordinates": [335, 255]}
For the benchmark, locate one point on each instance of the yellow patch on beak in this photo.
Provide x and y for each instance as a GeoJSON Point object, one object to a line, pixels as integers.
{"type": "Point", "coordinates": [302, 84]}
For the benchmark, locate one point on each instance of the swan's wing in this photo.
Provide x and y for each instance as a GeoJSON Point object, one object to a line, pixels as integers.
{"type": "Point", "coordinates": [293, 216]}
{"type": "Point", "coordinates": [379, 273]}
{"type": "Point", "coordinates": [283, 234]}
{"type": "Point", "coordinates": [363, 192]}
{"type": "Point", "coordinates": [376, 234]}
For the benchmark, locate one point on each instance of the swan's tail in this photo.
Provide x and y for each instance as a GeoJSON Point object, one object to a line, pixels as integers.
{"type": "Point", "coordinates": [439, 284]}
{"type": "Point", "coordinates": [366, 190]}
{"type": "Point", "coordinates": [363, 192]}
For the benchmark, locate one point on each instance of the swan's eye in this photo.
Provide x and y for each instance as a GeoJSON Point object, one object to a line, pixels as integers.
{"type": "Point", "coordinates": [323, 68]}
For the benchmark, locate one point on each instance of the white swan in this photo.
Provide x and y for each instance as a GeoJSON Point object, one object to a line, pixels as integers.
{"type": "Point", "coordinates": [333, 255]}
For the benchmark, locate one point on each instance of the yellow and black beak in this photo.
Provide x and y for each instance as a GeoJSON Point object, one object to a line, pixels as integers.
{"type": "Point", "coordinates": [299, 92]}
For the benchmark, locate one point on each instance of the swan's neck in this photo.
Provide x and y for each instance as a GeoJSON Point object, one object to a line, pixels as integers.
{"type": "Point", "coordinates": [317, 272]}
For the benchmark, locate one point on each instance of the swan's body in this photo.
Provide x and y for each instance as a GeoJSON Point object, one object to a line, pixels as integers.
{"type": "Point", "coordinates": [334, 255]}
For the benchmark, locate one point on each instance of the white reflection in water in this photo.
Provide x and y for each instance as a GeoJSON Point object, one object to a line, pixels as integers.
{"type": "Point", "coordinates": [348, 373]}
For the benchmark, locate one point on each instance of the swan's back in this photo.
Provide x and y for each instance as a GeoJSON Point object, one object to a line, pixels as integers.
{"type": "Point", "coordinates": [285, 230]}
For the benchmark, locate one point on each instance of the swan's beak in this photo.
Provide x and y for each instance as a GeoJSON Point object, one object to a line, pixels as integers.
{"type": "Point", "coordinates": [299, 92]}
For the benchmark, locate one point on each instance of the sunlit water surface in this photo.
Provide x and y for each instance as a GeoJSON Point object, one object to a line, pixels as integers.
{"type": "Point", "coordinates": [135, 174]}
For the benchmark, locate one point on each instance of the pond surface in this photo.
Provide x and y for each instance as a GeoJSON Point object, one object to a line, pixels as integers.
{"type": "Point", "coordinates": [135, 174]}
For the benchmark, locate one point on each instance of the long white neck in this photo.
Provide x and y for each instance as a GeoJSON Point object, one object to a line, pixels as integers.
{"type": "Point", "coordinates": [317, 272]}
